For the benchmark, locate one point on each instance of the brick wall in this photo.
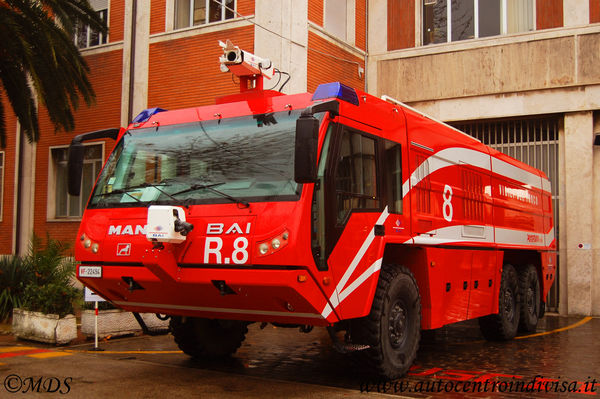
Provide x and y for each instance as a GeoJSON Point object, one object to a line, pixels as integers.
{"type": "Point", "coordinates": [549, 14]}
{"type": "Point", "coordinates": [400, 24]}
{"type": "Point", "coordinates": [331, 68]}
{"type": "Point", "coordinates": [315, 11]}
{"type": "Point", "coordinates": [8, 194]}
{"type": "Point", "coordinates": [245, 7]}
{"type": "Point", "coordinates": [116, 20]}
{"type": "Point", "coordinates": [360, 21]}
{"type": "Point", "coordinates": [158, 16]}
{"type": "Point", "coordinates": [194, 79]}
{"type": "Point", "coordinates": [594, 11]}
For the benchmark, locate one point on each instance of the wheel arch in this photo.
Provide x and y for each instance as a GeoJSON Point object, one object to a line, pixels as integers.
{"type": "Point", "coordinates": [414, 258]}
{"type": "Point", "coordinates": [521, 258]}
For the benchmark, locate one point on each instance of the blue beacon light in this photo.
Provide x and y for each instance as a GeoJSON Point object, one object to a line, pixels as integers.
{"type": "Point", "coordinates": [336, 90]}
{"type": "Point", "coordinates": [146, 114]}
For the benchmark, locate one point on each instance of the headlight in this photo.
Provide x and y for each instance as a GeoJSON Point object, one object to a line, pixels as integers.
{"type": "Point", "coordinates": [263, 249]}
{"type": "Point", "coordinates": [267, 247]}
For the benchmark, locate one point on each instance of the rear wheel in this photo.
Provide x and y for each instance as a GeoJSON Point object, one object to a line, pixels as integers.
{"type": "Point", "coordinates": [529, 287]}
{"type": "Point", "coordinates": [503, 325]}
{"type": "Point", "coordinates": [392, 329]}
{"type": "Point", "coordinates": [208, 338]}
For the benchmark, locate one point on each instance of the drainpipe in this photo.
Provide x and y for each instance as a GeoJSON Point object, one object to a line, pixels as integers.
{"type": "Point", "coordinates": [132, 60]}
{"type": "Point", "coordinates": [366, 44]}
{"type": "Point", "coordinates": [18, 226]}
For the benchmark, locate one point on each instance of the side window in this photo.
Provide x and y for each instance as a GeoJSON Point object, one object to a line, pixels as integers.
{"type": "Point", "coordinates": [356, 175]}
{"type": "Point", "coordinates": [199, 12]}
{"type": "Point", "coordinates": [393, 175]}
{"type": "Point", "coordinates": [65, 205]}
{"type": "Point", "coordinates": [85, 36]}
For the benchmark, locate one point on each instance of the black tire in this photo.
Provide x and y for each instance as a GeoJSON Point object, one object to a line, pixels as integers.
{"type": "Point", "coordinates": [529, 288]}
{"type": "Point", "coordinates": [503, 325]}
{"type": "Point", "coordinates": [393, 327]}
{"type": "Point", "coordinates": [208, 338]}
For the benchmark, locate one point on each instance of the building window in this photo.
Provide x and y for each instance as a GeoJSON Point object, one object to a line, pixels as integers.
{"type": "Point", "coordinates": [1, 183]}
{"type": "Point", "coordinates": [65, 205]}
{"type": "Point", "coordinates": [454, 20]}
{"type": "Point", "coordinates": [86, 37]}
{"type": "Point", "coordinates": [336, 18]}
{"type": "Point", "coordinates": [199, 12]}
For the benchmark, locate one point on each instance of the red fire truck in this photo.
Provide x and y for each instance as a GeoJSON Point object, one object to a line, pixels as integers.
{"type": "Point", "coordinates": [335, 209]}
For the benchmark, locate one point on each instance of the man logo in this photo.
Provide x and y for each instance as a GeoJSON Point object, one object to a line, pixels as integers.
{"type": "Point", "coordinates": [123, 249]}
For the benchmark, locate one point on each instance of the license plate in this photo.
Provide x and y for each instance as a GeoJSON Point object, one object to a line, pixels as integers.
{"type": "Point", "coordinates": [90, 271]}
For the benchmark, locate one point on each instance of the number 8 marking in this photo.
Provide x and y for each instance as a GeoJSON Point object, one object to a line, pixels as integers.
{"type": "Point", "coordinates": [240, 244]}
{"type": "Point", "coordinates": [447, 209]}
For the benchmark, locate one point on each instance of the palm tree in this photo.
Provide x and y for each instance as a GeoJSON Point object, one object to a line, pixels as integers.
{"type": "Point", "coordinates": [39, 61]}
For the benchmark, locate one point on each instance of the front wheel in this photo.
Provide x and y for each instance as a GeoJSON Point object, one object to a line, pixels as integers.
{"type": "Point", "coordinates": [503, 325]}
{"type": "Point", "coordinates": [393, 327]}
{"type": "Point", "coordinates": [208, 338]}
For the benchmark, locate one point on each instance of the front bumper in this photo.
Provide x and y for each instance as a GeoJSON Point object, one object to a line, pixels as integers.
{"type": "Point", "coordinates": [252, 293]}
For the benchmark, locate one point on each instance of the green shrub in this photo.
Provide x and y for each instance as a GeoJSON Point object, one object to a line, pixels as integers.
{"type": "Point", "coordinates": [53, 298]}
{"type": "Point", "coordinates": [50, 289]}
{"type": "Point", "coordinates": [15, 275]}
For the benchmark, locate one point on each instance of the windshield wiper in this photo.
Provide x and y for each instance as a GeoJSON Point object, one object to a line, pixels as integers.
{"type": "Point", "coordinates": [122, 191]}
{"type": "Point", "coordinates": [210, 187]}
{"type": "Point", "coordinates": [126, 191]}
{"type": "Point", "coordinates": [164, 192]}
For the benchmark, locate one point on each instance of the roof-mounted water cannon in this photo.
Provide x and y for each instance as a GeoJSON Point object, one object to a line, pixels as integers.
{"type": "Point", "coordinates": [250, 68]}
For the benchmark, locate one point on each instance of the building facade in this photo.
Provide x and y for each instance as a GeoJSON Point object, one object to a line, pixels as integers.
{"type": "Point", "coordinates": [521, 75]}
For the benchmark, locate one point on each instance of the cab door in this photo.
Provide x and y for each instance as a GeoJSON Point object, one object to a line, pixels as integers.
{"type": "Point", "coordinates": [347, 185]}
{"type": "Point", "coordinates": [352, 185]}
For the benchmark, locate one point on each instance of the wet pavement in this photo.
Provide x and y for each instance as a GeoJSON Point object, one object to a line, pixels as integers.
{"type": "Point", "coordinates": [561, 360]}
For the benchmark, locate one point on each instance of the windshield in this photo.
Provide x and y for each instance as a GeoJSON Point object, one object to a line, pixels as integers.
{"type": "Point", "coordinates": [246, 159]}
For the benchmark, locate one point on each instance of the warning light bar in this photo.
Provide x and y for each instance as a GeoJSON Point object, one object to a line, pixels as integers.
{"type": "Point", "coordinates": [336, 90]}
{"type": "Point", "coordinates": [146, 114]}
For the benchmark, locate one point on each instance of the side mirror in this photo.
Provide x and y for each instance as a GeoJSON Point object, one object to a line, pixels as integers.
{"type": "Point", "coordinates": [76, 152]}
{"type": "Point", "coordinates": [307, 141]}
{"type": "Point", "coordinates": [75, 168]}
{"type": "Point", "coordinates": [305, 158]}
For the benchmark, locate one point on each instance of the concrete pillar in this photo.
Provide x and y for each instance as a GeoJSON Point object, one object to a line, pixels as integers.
{"type": "Point", "coordinates": [596, 226]}
{"type": "Point", "coordinates": [139, 99]}
{"type": "Point", "coordinates": [286, 19]}
{"type": "Point", "coordinates": [577, 223]}
{"type": "Point", "coordinates": [28, 193]}
{"type": "Point", "coordinates": [377, 40]}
